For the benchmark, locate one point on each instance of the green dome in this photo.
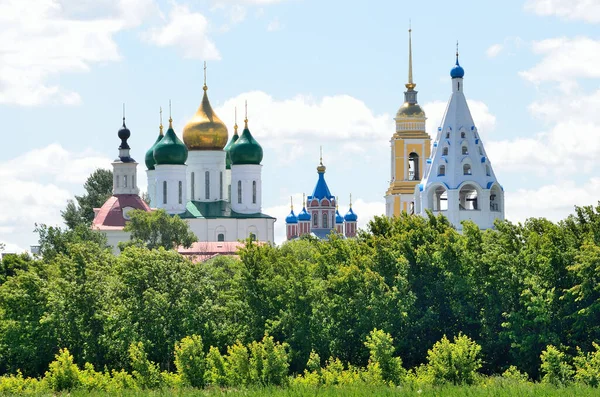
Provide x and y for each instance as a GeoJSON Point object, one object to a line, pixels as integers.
{"type": "Point", "coordinates": [170, 149]}
{"type": "Point", "coordinates": [246, 150]}
{"type": "Point", "coordinates": [234, 138]}
{"type": "Point", "coordinates": [150, 153]}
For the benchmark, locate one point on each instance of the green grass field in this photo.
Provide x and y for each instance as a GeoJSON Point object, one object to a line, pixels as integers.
{"type": "Point", "coordinates": [452, 391]}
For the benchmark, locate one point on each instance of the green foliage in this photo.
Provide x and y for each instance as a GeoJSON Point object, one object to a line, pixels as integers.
{"type": "Point", "coordinates": [381, 359]}
{"type": "Point", "coordinates": [98, 188]}
{"type": "Point", "coordinates": [145, 372]}
{"type": "Point", "coordinates": [454, 362]}
{"type": "Point", "coordinates": [156, 229]}
{"type": "Point", "coordinates": [189, 360]}
{"type": "Point", "coordinates": [63, 373]}
{"type": "Point", "coordinates": [215, 374]}
{"type": "Point", "coordinates": [587, 367]}
{"type": "Point", "coordinates": [513, 374]}
{"type": "Point", "coordinates": [54, 240]}
{"type": "Point", "coordinates": [555, 368]}
{"type": "Point", "coordinates": [237, 365]}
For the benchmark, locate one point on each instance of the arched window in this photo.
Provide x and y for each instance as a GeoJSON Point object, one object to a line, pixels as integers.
{"type": "Point", "coordinates": [220, 237]}
{"type": "Point", "coordinates": [325, 220]}
{"type": "Point", "coordinates": [467, 169]}
{"type": "Point", "coordinates": [447, 134]}
{"type": "Point", "coordinates": [445, 151]}
{"type": "Point", "coordinates": [124, 180]}
{"type": "Point", "coordinates": [180, 192]}
{"type": "Point", "coordinates": [164, 192]}
{"type": "Point", "coordinates": [495, 199]}
{"type": "Point", "coordinates": [315, 219]}
{"type": "Point", "coordinates": [438, 199]}
{"type": "Point", "coordinates": [465, 150]}
{"type": "Point", "coordinates": [413, 167]}
{"type": "Point", "coordinates": [207, 185]}
{"type": "Point", "coordinates": [442, 170]}
{"type": "Point", "coordinates": [221, 185]}
{"type": "Point", "coordinates": [462, 134]}
{"type": "Point", "coordinates": [132, 180]}
{"type": "Point", "coordinates": [488, 172]}
{"type": "Point", "coordinates": [467, 198]}
{"type": "Point", "coordinates": [117, 179]}
{"type": "Point", "coordinates": [253, 192]}
{"type": "Point", "coordinates": [252, 236]}
{"type": "Point", "coordinates": [480, 151]}
{"type": "Point", "coordinates": [239, 189]}
{"type": "Point", "coordinates": [193, 187]}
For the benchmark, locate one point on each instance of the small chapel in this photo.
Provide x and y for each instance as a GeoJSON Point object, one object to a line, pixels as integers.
{"type": "Point", "coordinates": [453, 175]}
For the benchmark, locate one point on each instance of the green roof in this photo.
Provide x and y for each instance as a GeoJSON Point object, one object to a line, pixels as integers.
{"type": "Point", "coordinates": [216, 209]}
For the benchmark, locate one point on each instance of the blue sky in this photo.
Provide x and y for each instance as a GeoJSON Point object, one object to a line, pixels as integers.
{"type": "Point", "coordinates": [314, 73]}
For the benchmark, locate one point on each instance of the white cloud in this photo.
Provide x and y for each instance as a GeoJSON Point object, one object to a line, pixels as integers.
{"type": "Point", "coordinates": [555, 201]}
{"type": "Point", "coordinates": [35, 187]}
{"type": "Point", "coordinates": [564, 60]}
{"type": "Point", "coordinates": [187, 31]}
{"type": "Point", "coordinates": [494, 50]}
{"type": "Point", "coordinates": [583, 10]}
{"type": "Point", "coordinates": [274, 25]}
{"type": "Point", "coordinates": [42, 38]}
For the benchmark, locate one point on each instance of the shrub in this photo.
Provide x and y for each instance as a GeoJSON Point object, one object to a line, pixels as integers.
{"type": "Point", "coordinates": [18, 385]}
{"type": "Point", "coordinates": [120, 381]}
{"type": "Point", "coordinates": [63, 374]}
{"type": "Point", "coordinates": [215, 374]}
{"type": "Point", "coordinates": [381, 354]}
{"type": "Point", "coordinates": [513, 374]}
{"type": "Point", "coordinates": [555, 368]}
{"type": "Point", "coordinates": [454, 362]}
{"type": "Point", "coordinates": [587, 367]}
{"type": "Point", "coordinates": [93, 380]}
{"type": "Point", "coordinates": [189, 360]}
{"type": "Point", "coordinates": [145, 372]}
{"type": "Point", "coordinates": [237, 364]}
{"type": "Point", "coordinates": [269, 362]}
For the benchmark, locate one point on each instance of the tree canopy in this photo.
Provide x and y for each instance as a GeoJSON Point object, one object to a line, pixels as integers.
{"type": "Point", "coordinates": [156, 229]}
{"type": "Point", "coordinates": [98, 188]}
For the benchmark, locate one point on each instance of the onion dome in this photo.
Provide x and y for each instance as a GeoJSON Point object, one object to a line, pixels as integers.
{"type": "Point", "coordinates": [291, 218]}
{"type": "Point", "coordinates": [150, 163]}
{"type": "Point", "coordinates": [303, 215]}
{"type": "Point", "coordinates": [410, 110]}
{"type": "Point", "coordinates": [246, 150]}
{"type": "Point", "coordinates": [124, 135]}
{"type": "Point", "coordinates": [170, 149]}
{"type": "Point", "coordinates": [350, 216]}
{"type": "Point", "coordinates": [457, 72]}
{"type": "Point", "coordinates": [205, 131]}
{"type": "Point", "coordinates": [233, 140]}
{"type": "Point", "coordinates": [338, 218]}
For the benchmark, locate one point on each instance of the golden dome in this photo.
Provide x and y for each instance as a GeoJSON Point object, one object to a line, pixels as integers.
{"type": "Point", "coordinates": [410, 110]}
{"type": "Point", "coordinates": [205, 131]}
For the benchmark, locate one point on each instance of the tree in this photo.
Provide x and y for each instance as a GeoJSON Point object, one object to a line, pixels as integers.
{"type": "Point", "coordinates": [190, 361]}
{"type": "Point", "coordinates": [455, 362]}
{"type": "Point", "coordinates": [156, 229]}
{"type": "Point", "coordinates": [555, 368]}
{"type": "Point", "coordinates": [98, 188]}
{"type": "Point", "coordinates": [381, 349]}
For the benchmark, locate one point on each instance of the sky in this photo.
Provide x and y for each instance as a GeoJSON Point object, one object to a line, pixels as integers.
{"type": "Point", "coordinates": [315, 73]}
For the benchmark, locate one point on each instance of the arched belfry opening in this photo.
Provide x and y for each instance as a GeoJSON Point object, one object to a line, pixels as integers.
{"type": "Point", "coordinates": [413, 167]}
{"type": "Point", "coordinates": [468, 198]}
{"type": "Point", "coordinates": [438, 199]}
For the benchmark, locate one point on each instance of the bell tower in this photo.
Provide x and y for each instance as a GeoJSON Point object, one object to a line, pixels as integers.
{"type": "Point", "coordinates": [410, 149]}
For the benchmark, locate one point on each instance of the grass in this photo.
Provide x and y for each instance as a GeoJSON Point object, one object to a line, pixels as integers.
{"type": "Point", "coordinates": [498, 390]}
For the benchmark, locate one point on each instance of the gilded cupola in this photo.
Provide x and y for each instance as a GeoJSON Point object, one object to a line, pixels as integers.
{"type": "Point", "coordinates": [205, 131]}
{"type": "Point", "coordinates": [410, 108]}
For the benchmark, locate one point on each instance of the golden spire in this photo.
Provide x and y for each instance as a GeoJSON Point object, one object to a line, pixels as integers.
{"type": "Point", "coordinates": [205, 87]}
{"type": "Point", "coordinates": [291, 203]}
{"type": "Point", "coordinates": [410, 85]}
{"type": "Point", "coordinates": [321, 168]}
{"type": "Point", "coordinates": [170, 118]}
{"type": "Point", "coordinates": [161, 126]}
{"type": "Point", "coordinates": [303, 200]}
{"type": "Point", "coordinates": [337, 205]}
{"type": "Point", "coordinates": [235, 126]}
{"type": "Point", "coordinates": [350, 200]}
{"type": "Point", "coordinates": [246, 119]}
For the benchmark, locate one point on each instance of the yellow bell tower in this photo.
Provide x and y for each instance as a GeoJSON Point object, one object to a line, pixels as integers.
{"type": "Point", "coordinates": [410, 149]}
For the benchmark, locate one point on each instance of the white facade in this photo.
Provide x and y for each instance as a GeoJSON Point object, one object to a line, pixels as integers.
{"type": "Point", "coordinates": [170, 188]}
{"type": "Point", "coordinates": [459, 181]}
{"type": "Point", "coordinates": [233, 229]}
{"type": "Point", "coordinates": [125, 174]}
{"type": "Point", "coordinates": [151, 187]}
{"type": "Point", "coordinates": [246, 188]}
{"type": "Point", "coordinates": [207, 180]}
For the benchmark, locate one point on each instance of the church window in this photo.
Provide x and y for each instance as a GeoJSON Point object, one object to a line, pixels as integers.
{"type": "Point", "coordinates": [447, 134]}
{"type": "Point", "coordinates": [487, 170]}
{"type": "Point", "coordinates": [480, 151]}
{"type": "Point", "coordinates": [315, 219]}
{"type": "Point", "coordinates": [193, 187]}
{"type": "Point", "coordinates": [229, 193]}
{"type": "Point", "coordinates": [253, 192]}
{"type": "Point", "coordinates": [442, 170]}
{"type": "Point", "coordinates": [239, 191]}
{"type": "Point", "coordinates": [117, 179]}
{"type": "Point", "coordinates": [164, 192]}
{"type": "Point", "coordinates": [180, 192]}
{"type": "Point", "coordinates": [495, 198]}
{"type": "Point", "coordinates": [325, 220]}
{"type": "Point", "coordinates": [462, 134]}
{"type": "Point", "coordinates": [465, 150]}
{"type": "Point", "coordinates": [467, 169]}
{"type": "Point", "coordinates": [467, 198]}
{"type": "Point", "coordinates": [220, 237]}
{"type": "Point", "coordinates": [124, 180]}
{"type": "Point", "coordinates": [413, 166]}
{"type": "Point", "coordinates": [132, 180]}
{"type": "Point", "coordinates": [445, 151]}
{"type": "Point", "coordinates": [221, 185]}
{"type": "Point", "coordinates": [438, 199]}
{"type": "Point", "coordinates": [207, 185]}
{"type": "Point", "coordinates": [252, 236]}
{"type": "Point", "coordinates": [459, 86]}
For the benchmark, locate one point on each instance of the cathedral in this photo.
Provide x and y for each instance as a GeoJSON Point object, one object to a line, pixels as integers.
{"type": "Point", "coordinates": [215, 185]}
{"type": "Point", "coordinates": [453, 176]}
